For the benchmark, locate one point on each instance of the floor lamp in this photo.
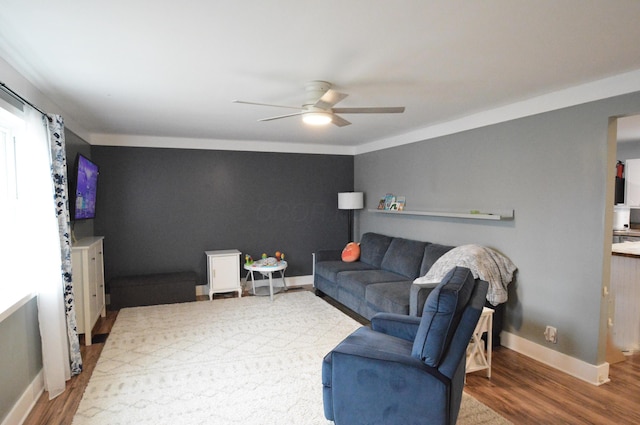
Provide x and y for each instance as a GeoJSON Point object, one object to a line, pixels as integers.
{"type": "Point", "coordinates": [350, 201]}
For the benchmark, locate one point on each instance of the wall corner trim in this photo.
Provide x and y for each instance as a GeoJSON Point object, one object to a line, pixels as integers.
{"type": "Point", "coordinates": [593, 374]}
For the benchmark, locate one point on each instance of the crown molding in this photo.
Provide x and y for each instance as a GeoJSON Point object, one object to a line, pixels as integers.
{"type": "Point", "coordinates": [596, 90]}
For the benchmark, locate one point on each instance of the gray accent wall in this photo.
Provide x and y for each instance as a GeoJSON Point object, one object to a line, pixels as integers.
{"type": "Point", "coordinates": [161, 209]}
{"type": "Point", "coordinates": [556, 170]}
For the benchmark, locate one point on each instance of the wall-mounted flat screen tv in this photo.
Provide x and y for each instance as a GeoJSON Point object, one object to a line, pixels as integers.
{"type": "Point", "coordinates": [84, 202]}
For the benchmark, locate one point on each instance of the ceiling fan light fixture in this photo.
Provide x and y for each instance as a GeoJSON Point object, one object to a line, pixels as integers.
{"type": "Point", "coordinates": [317, 118]}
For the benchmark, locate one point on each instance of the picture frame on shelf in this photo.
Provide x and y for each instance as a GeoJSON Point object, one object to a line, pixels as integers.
{"type": "Point", "coordinates": [388, 200]}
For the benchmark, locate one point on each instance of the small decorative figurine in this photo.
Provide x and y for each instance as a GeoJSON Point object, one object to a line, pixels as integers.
{"type": "Point", "coordinates": [248, 260]}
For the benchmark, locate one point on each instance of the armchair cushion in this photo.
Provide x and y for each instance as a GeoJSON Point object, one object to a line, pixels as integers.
{"type": "Point", "coordinates": [441, 315]}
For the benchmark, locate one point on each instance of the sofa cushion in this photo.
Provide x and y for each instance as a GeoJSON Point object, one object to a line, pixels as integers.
{"type": "Point", "coordinates": [373, 246]}
{"type": "Point", "coordinates": [441, 315]}
{"type": "Point", "coordinates": [432, 252]}
{"type": "Point", "coordinates": [355, 282]}
{"type": "Point", "coordinates": [404, 257]}
{"type": "Point", "coordinates": [330, 269]}
{"type": "Point", "coordinates": [389, 297]}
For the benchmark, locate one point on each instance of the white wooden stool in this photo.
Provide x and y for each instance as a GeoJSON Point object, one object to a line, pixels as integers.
{"type": "Point", "coordinates": [477, 357]}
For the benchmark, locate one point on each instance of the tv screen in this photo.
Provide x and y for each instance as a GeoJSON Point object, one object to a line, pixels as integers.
{"type": "Point", "coordinates": [86, 189]}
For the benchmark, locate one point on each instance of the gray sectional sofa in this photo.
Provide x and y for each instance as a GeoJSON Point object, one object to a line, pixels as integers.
{"type": "Point", "coordinates": [382, 279]}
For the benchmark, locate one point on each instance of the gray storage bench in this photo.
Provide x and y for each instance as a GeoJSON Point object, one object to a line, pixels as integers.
{"type": "Point", "coordinates": [152, 289]}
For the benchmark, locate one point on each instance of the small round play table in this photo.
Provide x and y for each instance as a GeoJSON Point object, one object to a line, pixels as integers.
{"type": "Point", "coordinates": [266, 267]}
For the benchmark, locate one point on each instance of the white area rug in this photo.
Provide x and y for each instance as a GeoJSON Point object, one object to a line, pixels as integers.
{"type": "Point", "coordinates": [227, 361]}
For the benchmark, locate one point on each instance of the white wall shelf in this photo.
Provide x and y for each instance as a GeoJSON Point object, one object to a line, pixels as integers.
{"type": "Point", "coordinates": [473, 216]}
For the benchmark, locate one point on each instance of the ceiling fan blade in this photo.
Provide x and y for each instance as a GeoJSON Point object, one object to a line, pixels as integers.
{"type": "Point", "coordinates": [281, 116]}
{"type": "Point", "coordinates": [329, 98]}
{"type": "Point", "coordinates": [372, 110]}
{"type": "Point", "coordinates": [264, 104]}
{"type": "Point", "coordinates": [339, 121]}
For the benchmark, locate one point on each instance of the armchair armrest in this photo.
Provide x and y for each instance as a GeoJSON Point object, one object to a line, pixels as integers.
{"type": "Point", "coordinates": [328, 255]}
{"type": "Point", "coordinates": [398, 325]}
{"type": "Point", "coordinates": [369, 355]}
{"type": "Point", "coordinates": [418, 296]}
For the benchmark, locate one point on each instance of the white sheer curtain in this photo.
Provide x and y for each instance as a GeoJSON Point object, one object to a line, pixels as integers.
{"type": "Point", "coordinates": [41, 249]}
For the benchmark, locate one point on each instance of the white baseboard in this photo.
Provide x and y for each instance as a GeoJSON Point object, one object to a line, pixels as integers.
{"type": "Point", "coordinates": [292, 282]}
{"type": "Point", "coordinates": [25, 403]}
{"type": "Point", "coordinates": [593, 374]}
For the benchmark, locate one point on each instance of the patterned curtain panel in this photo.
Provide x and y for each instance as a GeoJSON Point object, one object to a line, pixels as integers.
{"type": "Point", "coordinates": [59, 175]}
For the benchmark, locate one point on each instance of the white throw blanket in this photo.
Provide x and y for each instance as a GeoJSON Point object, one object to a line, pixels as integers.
{"type": "Point", "coordinates": [484, 263]}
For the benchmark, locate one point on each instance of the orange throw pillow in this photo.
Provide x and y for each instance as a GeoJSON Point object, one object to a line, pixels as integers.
{"type": "Point", "coordinates": [351, 252]}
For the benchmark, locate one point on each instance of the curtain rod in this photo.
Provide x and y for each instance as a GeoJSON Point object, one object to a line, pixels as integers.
{"type": "Point", "coordinates": [20, 98]}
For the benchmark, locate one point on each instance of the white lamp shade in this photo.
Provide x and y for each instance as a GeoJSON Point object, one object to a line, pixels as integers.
{"type": "Point", "coordinates": [350, 201]}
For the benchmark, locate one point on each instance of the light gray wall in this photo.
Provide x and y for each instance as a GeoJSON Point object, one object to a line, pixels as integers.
{"type": "Point", "coordinates": [553, 170]}
{"type": "Point", "coordinates": [20, 355]}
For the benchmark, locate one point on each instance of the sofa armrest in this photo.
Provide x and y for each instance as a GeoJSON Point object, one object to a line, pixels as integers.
{"type": "Point", "coordinates": [418, 296]}
{"type": "Point", "coordinates": [398, 325]}
{"type": "Point", "coordinates": [328, 255]}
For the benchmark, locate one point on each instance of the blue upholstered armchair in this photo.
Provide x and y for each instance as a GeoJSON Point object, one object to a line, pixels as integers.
{"type": "Point", "coordinates": [406, 369]}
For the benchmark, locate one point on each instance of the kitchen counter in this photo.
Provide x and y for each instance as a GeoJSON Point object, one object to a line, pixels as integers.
{"type": "Point", "coordinates": [628, 232]}
{"type": "Point", "coordinates": [626, 249]}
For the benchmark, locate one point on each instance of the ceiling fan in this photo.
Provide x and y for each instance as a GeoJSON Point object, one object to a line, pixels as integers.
{"type": "Point", "coordinates": [318, 108]}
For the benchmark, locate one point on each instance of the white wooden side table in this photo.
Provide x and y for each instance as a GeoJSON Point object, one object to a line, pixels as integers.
{"type": "Point", "coordinates": [479, 358]}
{"type": "Point", "coordinates": [223, 270]}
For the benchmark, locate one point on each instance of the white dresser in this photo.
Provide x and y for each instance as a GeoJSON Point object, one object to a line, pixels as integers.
{"type": "Point", "coordinates": [88, 283]}
{"type": "Point", "coordinates": [223, 271]}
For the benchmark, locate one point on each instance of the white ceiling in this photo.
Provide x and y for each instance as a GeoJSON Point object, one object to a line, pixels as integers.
{"type": "Point", "coordinates": [152, 68]}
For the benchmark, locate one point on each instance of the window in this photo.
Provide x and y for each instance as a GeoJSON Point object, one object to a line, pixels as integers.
{"type": "Point", "coordinates": [30, 258]}
{"type": "Point", "coordinates": [11, 290]}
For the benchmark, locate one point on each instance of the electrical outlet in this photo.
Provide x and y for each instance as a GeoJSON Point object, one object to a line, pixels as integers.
{"type": "Point", "coordinates": [551, 334]}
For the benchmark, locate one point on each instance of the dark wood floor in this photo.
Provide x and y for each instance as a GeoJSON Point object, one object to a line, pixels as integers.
{"type": "Point", "coordinates": [528, 392]}
{"type": "Point", "coordinates": [520, 389]}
